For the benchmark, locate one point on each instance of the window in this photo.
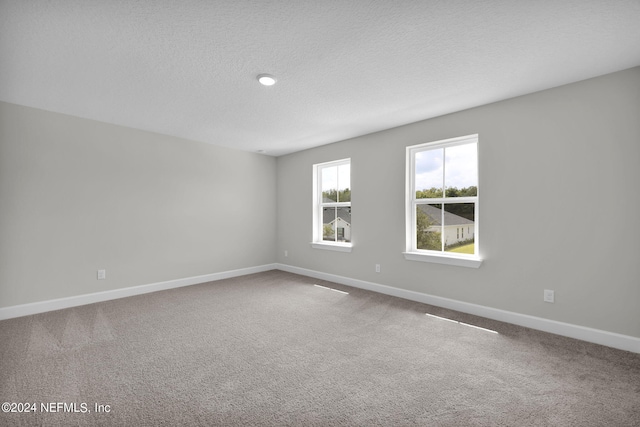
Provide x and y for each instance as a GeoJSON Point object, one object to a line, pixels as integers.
{"type": "Point", "coordinates": [442, 199]}
{"type": "Point", "coordinates": [332, 205]}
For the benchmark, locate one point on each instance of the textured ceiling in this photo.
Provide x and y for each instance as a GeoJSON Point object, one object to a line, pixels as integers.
{"type": "Point", "coordinates": [345, 68]}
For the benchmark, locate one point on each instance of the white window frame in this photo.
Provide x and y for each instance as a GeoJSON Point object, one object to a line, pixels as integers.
{"type": "Point", "coordinates": [318, 205]}
{"type": "Point", "coordinates": [440, 257]}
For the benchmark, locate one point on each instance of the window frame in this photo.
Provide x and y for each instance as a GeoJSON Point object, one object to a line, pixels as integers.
{"type": "Point", "coordinates": [317, 241]}
{"type": "Point", "coordinates": [412, 253]}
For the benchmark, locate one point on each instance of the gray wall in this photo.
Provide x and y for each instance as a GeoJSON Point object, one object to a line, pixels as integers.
{"type": "Point", "coordinates": [78, 195]}
{"type": "Point", "coordinates": [561, 166]}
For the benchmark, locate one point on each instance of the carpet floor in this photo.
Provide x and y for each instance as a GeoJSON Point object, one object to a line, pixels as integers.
{"type": "Point", "coordinates": [272, 349]}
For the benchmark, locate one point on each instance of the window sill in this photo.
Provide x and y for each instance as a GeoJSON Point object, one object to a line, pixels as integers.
{"type": "Point", "coordinates": [472, 262]}
{"type": "Point", "coordinates": [338, 247]}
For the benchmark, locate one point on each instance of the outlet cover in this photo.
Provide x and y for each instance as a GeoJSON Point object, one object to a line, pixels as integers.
{"type": "Point", "coordinates": [549, 296]}
{"type": "Point", "coordinates": [102, 274]}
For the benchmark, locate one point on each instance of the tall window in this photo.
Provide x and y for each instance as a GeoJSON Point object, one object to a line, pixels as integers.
{"type": "Point", "coordinates": [332, 205]}
{"type": "Point", "coordinates": [442, 199]}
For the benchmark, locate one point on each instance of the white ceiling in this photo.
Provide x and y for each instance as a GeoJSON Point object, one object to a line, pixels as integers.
{"type": "Point", "coordinates": [345, 67]}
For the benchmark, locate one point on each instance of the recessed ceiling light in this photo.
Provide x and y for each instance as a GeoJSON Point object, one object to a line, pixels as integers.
{"type": "Point", "coordinates": [266, 79]}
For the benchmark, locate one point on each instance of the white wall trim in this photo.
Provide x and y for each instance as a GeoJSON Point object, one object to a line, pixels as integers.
{"type": "Point", "coordinates": [597, 336]}
{"type": "Point", "coordinates": [338, 247]}
{"type": "Point", "coordinates": [74, 301]}
{"type": "Point", "coordinates": [445, 258]}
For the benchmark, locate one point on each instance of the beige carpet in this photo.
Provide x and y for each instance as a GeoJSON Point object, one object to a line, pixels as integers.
{"type": "Point", "coordinates": [272, 349]}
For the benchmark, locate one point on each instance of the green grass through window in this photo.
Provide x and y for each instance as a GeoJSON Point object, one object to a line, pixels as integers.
{"type": "Point", "coordinates": [466, 249]}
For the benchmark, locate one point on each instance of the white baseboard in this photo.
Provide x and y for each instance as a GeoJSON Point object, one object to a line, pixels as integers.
{"type": "Point", "coordinates": [610, 339]}
{"type": "Point", "coordinates": [58, 304]}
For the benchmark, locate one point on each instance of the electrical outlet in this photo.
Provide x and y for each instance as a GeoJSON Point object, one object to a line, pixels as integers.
{"type": "Point", "coordinates": [286, 253]}
{"type": "Point", "coordinates": [102, 274]}
{"type": "Point", "coordinates": [549, 296]}
{"type": "Point", "coordinates": [377, 268]}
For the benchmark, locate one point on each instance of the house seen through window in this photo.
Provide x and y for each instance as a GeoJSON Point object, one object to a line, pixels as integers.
{"type": "Point", "coordinates": [442, 198]}
{"type": "Point", "coordinates": [332, 206]}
